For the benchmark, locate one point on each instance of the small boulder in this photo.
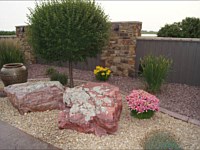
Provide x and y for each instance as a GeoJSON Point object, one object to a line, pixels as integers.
{"type": "Point", "coordinates": [91, 108]}
{"type": "Point", "coordinates": [36, 96]}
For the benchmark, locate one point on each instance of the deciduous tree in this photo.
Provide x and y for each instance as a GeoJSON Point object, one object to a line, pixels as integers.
{"type": "Point", "coordinates": [68, 30]}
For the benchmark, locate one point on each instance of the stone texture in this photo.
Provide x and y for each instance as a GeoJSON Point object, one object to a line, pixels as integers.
{"type": "Point", "coordinates": [91, 108]}
{"type": "Point", "coordinates": [194, 121]}
{"type": "Point", "coordinates": [25, 47]}
{"type": "Point", "coordinates": [174, 114]}
{"type": "Point", "coordinates": [36, 96]}
{"type": "Point", "coordinates": [120, 53]}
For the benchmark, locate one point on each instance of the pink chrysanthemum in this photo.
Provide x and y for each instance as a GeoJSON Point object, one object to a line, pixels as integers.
{"type": "Point", "coordinates": [142, 101]}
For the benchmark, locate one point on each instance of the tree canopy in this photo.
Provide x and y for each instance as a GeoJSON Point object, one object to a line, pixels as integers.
{"type": "Point", "coordinates": [68, 30]}
{"type": "Point", "coordinates": [187, 28]}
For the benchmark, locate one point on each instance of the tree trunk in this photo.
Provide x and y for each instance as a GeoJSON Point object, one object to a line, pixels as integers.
{"type": "Point", "coordinates": [71, 85]}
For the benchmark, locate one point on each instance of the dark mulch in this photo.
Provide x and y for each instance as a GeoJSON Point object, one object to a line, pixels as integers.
{"type": "Point", "coordinates": [183, 99]}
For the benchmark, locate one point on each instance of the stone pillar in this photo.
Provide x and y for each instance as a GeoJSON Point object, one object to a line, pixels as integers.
{"type": "Point", "coordinates": [119, 55]}
{"type": "Point", "coordinates": [25, 47]}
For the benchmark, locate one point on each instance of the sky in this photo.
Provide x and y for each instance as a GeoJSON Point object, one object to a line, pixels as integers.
{"type": "Point", "coordinates": [152, 14]}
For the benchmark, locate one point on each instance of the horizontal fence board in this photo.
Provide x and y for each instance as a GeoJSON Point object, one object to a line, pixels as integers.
{"type": "Point", "coordinates": [89, 65]}
{"type": "Point", "coordinates": [184, 53]}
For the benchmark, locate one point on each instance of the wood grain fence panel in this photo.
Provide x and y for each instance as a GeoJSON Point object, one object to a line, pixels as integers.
{"type": "Point", "coordinates": [90, 64]}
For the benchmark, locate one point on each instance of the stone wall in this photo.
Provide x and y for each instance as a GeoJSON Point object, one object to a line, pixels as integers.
{"type": "Point", "coordinates": [119, 56]}
{"type": "Point", "coordinates": [23, 43]}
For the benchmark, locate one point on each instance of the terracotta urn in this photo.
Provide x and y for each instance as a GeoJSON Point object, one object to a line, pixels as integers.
{"type": "Point", "coordinates": [13, 73]}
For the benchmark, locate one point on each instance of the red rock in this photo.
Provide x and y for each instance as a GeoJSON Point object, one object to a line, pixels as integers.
{"type": "Point", "coordinates": [36, 96]}
{"type": "Point", "coordinates": [91, 108]}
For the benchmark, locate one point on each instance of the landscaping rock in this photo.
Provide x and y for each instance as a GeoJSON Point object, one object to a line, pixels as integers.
{"type": "Point", "coordinates": [91, 108]}
{"type": "Point", "coordinates": [36, 96]}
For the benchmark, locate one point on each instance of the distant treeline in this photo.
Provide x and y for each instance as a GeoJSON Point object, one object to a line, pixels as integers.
{"type": "Point", "coordinates": [148, 32]}
{"type": "Point", "coordinates": [7, 32]}
{"type": "Point", "coordinates": [13, 32]}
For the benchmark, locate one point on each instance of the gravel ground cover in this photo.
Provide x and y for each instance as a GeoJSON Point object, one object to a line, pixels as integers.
{"type": "Point", "coordinates": [130, 135]}
{"type": "Point", "coordinates": [179, 98]}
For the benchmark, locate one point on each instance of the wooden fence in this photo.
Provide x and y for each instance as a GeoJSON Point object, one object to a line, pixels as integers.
{"type": "Point", "coordinates": [185, 54]}
{"type": "Point", "coordinates": [90, 64]}
{"type": "Point", "coordinates": [8, 38]}
{"type": "Point", "coordinates": [4, 37]}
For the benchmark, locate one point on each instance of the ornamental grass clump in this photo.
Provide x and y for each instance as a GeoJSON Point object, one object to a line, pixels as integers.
{"type": "Point", "coordinates": [160, 140]}
{"type": "Point", "coordinates": [57, 76]}
{"type": "Point", "coordinates": [155, 69]}
{"type": "Point", "coordinates": [101, 73]}
{"type": "Point", "coordinates": [62, 78]}
{"type": "Point", "coordinates": [142, 104]}
{"type": "Point", "coordinates": [50, 71]}
{"type": "Point", "coordinates": [10, 52]}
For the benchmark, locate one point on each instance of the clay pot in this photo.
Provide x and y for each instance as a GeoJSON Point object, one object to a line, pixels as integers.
{"type": "Point", "coordinates": [13, 73]}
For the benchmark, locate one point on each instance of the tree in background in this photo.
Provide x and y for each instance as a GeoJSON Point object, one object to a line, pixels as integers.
{"type": "Point", "coordinates": [188, 28]}
{"type": "Point", "coordinates": [7, 33]}
{"type": "Point", "coordinates": [172, 30]}
{"type": "Point", "coordinates": [68, 30]}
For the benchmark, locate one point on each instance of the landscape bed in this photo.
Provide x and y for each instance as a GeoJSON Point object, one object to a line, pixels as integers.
{"type": "Point", "coordinates": [131, 133]}
{"type": "Point", "coordinates": [180, 98]}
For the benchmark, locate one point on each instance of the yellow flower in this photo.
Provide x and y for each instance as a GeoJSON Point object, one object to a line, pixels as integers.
{"type": "Point", "coordinates": [107, 73]}
{"type": "Point", "coordinates": [101, 68]}
{"type": "Point", "coordinates": [96, 71]}
{"type": "Point", "coordinates": [102, 73]}
{"type": "Point", "coordinates": [98, 67]}
{"type": "Point", "coordinates": [106, 69]}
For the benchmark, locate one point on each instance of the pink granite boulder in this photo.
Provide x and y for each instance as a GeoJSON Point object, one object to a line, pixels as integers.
{"type": "Point", "coordinates": [91, 108]}
{"type": "Point", "coordinates": [36, 96]}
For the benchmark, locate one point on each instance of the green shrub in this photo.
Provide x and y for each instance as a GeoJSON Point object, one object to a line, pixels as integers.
{"type": "Point", "coordinates": [155, 69]}
{"type": "Point", "coordinates": [144, 115]}
{"type": "Point", "coordinates": [51, 71]}
{"type": "Point", "coordinates": [10, 53]}
{"type": "Point", "coordinates": [62, 78]}
{"type": "Point", "coordinates": [161, 140]}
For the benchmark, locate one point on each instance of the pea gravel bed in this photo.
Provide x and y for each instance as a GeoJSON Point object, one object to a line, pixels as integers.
{"type": "Point", "coordinates": [130, 135]}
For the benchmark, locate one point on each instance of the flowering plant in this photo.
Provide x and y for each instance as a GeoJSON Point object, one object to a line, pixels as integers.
{"type": "Point", "coordinates": [142, 104]}
{"type": "Point", "coordinates": [102, 73]}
